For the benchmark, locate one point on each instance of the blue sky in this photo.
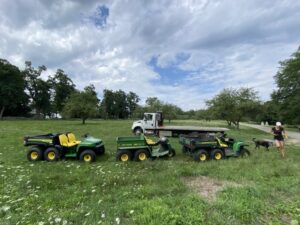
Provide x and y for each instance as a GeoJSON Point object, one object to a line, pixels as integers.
{"type": "Point", "coordinates": [183, 52]}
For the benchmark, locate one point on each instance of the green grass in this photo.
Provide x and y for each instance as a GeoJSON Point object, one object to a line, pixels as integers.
{"type": "Point", "coordinates": [152, 192]}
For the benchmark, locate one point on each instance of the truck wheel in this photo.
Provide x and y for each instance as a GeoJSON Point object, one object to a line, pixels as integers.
{"type": "Point", "coordinates": [201, 156]}
{"type": "Point", "coordinates": [34, 154]}
{"type": "Point", "coordinates": [138, 131]}
{"type": "Point", "coordinates": [51, 154]}
{"type": "Point", "coordinates": [124, 155]}
{"type": "Point", "coordinates": [172, 152]}
{"type": "Point", "coordinates": [87, 156]}
{"type": "Point", "coordinates": [217, 154]}
{"type": "Point", "coordinates": [141, 155]}
{"type": "Point", "coordinates": [245, 153]}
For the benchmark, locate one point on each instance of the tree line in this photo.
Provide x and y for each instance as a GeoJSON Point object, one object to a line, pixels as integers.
{"type": "Point", "coordinates": [25, 93]}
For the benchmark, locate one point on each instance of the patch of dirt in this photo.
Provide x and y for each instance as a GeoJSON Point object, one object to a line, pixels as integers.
{"type": "Point", "coordinates": [207, 187]}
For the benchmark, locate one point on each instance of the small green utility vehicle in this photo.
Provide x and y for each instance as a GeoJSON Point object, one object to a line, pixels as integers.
{"type": "Point", "coordinates": [52, 147]}
{"type": "Point", "coordinates": [140, 148]}
{"type": "Point", "coordinates": [217, 146]}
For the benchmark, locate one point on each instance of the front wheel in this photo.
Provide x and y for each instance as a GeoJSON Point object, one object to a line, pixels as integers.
{"type": "Point", "coordinates": [87, 156]}
{"type": "Point", "coordinates": [245, 153]}
{"type": "Point", "coordinates": [201, 156]}
{"type": "Point", "coordinates": [138, 131]}
{"type": "Point", "coordinates": [171, 153]}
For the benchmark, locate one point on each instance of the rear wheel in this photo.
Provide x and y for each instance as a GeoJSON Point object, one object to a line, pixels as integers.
{"type": "Point", "coordinates": [141, 155]}
{"type": "Point", "coordinates": [217, 154]}
{"type": "Point", "coordinates": [34, 154]}
{"type": "Point", "coordinates": [123, 155]}
{"type": "Point", "coordinates": [201, 156]}
{"type": "Point", "coordinates": [87, 156]}
{"type": "Point", "coordinates": [245, 153]}
{"type": "Point", "coordinates": [51, 154]}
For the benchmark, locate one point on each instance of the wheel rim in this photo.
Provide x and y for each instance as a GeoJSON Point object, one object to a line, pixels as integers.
{"type": "Point", "coordinates": [142, 156]}
{"type": "Point", "coordinates": [124, 157]}
{"type": "Point", "coordinates": [51, 155]}
{"type": "Point", "coordinates": [34, 155]}
{"type": "Point", "coordinates": [202, 157]}
{"type": "Point", "coordinates": [218, 156]}
{"type": "Point", "coordinates": [87, 158]}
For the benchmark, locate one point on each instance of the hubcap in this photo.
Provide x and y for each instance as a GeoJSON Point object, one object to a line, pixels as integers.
{"type": "Point", "coordinates": [87, 158]}
{"type": "Point", "coordinates": [34, 155]}
{"type": "Point", "coordinates": [218, 156]}
{"type": "Point", "coordinates": [202, 157]}
{"type": "Point", "coordinates": [124, 157]}
{"type": "Point", "coordinates": [142, 156]}
{"type": "Point", "coordinates": [51, 155]}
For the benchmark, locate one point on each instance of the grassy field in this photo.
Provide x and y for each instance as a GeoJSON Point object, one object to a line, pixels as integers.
{"type": "Point", "coordinates": [153, 192]}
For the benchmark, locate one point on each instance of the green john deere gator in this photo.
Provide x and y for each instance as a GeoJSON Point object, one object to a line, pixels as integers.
{"type": "Point", "coordinates": [217, 146]}
{"type": "Point", "coordinates": [140, 148]}
{"type": "Point", "coordinates": [52, 147]}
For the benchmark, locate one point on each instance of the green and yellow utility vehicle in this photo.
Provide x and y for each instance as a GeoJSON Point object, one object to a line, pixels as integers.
{"type": "Point", "coordinates": [52, 147]}
{"type": "Point", "coordinates": [217, 146]}
{"type": "Point", "coordinates": [140, 148]}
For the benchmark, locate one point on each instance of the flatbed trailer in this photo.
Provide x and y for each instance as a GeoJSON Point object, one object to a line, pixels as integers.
{"type": "Point", "coordinates": [175, 131]}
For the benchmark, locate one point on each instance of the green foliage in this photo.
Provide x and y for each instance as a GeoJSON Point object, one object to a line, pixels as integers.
{"type": "Point", "coordinates": [12, 85]}
{"type": "Point", "coordinates": [233, 105]}
{"type": "Point", "coordinates": [62, 87]}
{"type": "Point", "coordinates": [38, 89]}
{"type": "Point", "coordinates": [288, 94]}
{"type": "Point", "coordinates": [118, 104]}
{"type": "Point", "coordinates": [82, 104]}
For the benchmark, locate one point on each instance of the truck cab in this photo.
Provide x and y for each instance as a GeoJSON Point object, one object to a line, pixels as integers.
{"type": "Point", "coordinates": [149, 121]}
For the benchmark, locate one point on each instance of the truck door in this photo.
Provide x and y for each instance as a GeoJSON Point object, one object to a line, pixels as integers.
{"type": "Point", "coordinates": [149, 120]}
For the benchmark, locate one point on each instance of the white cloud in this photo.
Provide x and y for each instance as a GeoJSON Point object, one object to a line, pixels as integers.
{"type": "Point", "coordinates": [227, 44]}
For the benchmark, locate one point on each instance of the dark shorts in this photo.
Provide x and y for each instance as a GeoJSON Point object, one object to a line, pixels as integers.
{"type": "Point", "coordinates": [279, 139]}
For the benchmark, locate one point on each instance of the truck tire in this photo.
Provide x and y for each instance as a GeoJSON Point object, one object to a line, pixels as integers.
{"type": "Point", "coordinates": [201, 156]}
{"type": "Point", "coordinates": [34, 154]}
{"type": "Point", "coordinates": [141, 155]}
{"type": "Point", "coordinates": [217, 154]}
{"type": "Point", "coordinates": [138, 131]}
{"type": "Point", "coordinates": [123, 155]}
{"type": "Point", "coordinates": [171, 153]}
{"type": "Point", "coordinates": [87, 156]}
{"type": "Point", "coordinates": [51, 154]}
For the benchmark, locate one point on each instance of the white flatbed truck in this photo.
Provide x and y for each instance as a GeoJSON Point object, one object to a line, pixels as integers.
{"type": "Point", "coordinates": [152, 123]}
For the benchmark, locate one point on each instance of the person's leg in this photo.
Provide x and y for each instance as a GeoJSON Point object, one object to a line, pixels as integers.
{"type": "Point", "coordinates": [282, 148]}
{"type": "Point", "coordinates": [277, 145]}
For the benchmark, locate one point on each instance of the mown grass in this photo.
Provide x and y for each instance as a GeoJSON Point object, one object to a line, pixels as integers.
{"type": "Point", "coordinates": [109, 192]}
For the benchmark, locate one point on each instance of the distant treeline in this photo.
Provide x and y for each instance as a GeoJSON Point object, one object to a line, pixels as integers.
{"type": "Point", "coordinates": [23, 93]}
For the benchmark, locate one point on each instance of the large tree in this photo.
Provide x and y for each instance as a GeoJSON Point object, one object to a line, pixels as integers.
{"type": "Point", "coordinates": [287, 97]}
{"type": "Point", "coordinates": [62, 87]}
{"type": "Point", "coordinates": [12, 86]}
{"type": "Point", "coordinates": [82, 104]}
{"type": "Point", "coordinates": [38, 89]}
{"type": "Point", "coordinates": [233, 105]}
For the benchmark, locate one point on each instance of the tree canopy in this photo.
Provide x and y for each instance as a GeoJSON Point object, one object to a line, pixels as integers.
{"type": "Point", "coordinates": [287, 97]}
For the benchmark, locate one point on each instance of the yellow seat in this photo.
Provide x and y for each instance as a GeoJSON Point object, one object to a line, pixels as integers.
{"type": "Point", "coordinates": [63, 139]}
{"type": "Point", "coordinates": [72, 138]}
{"type": "Point", "coordinates": [149, 141]}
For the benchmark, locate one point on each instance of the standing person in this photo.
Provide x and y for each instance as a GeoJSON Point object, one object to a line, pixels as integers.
{"type": "Point", "coordinates": [279, 135]}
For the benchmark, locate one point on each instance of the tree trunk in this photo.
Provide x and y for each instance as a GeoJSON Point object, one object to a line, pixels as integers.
{"type": "Point", "coordinates": [2, 111]}
{"type": "Point", "coordinates": [229, 122]}
{"type": "Point", "coordinates": [83, 120]}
